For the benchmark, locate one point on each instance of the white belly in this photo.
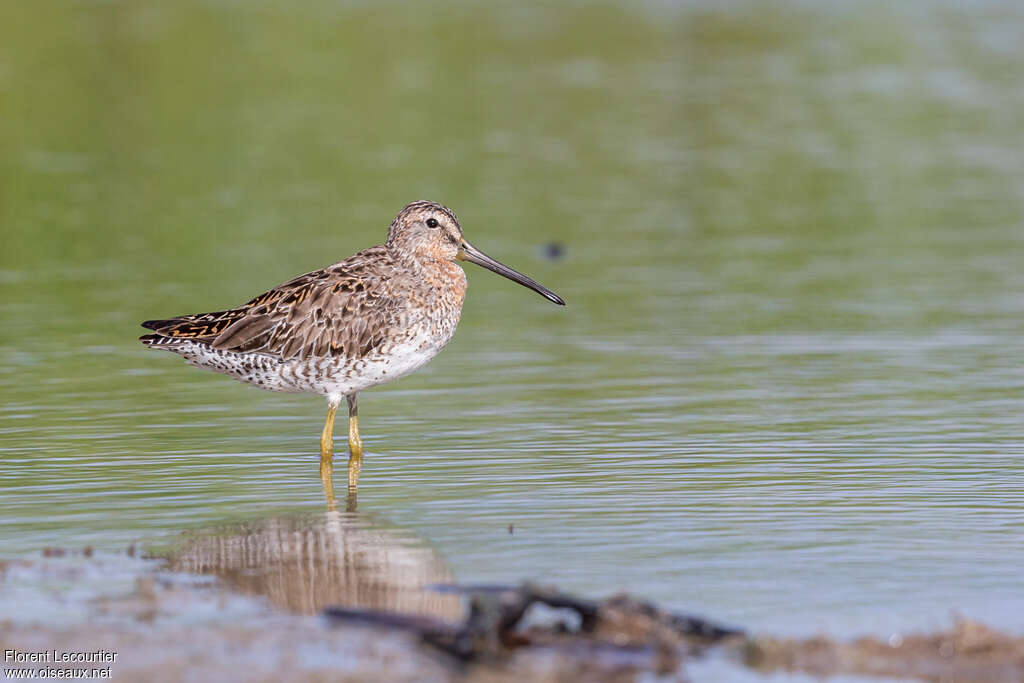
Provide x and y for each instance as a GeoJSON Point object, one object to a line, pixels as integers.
{"type": "Point", "coordinates": [333, 377]}
{"type": "Point", "coordinates": [397, 361]}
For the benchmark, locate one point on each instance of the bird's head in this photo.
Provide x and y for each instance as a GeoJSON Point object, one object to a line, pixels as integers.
{"type": "Point", "coordinates": [426, 230]}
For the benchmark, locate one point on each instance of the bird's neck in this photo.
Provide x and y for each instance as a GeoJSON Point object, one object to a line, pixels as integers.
{"type": "Point", "coordinates": [445, 276]}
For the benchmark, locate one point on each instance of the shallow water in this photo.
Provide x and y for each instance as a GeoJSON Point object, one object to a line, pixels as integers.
{"type": "Point", "coordinates": [786, 391]}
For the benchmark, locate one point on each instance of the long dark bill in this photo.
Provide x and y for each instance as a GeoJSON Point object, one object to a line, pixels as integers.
{"type": "Point", "coordinates": [467, 252]}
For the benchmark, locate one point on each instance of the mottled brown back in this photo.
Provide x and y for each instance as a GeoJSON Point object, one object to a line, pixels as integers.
{"type": "Point", "coordinates": [344, 310]}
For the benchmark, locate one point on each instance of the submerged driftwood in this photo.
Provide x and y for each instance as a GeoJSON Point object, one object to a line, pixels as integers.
{"type": "Point", "coordinates": [502, 620]}
{"type": "Point", "coordinates": [621, 637]}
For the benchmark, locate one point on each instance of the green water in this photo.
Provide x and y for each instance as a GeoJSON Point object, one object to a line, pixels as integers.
{"type": "Point", "coordinates": [787, 390]}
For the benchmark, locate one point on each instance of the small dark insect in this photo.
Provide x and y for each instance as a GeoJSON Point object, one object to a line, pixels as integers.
{"type": "Point", "coordinates": [553, 251]}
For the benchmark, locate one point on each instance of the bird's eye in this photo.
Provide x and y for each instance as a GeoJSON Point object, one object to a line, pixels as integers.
{"type": "Point", "coordinates": [432, 223]}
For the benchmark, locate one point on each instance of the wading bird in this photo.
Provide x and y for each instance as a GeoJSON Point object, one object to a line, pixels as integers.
{"type": "Point", "coordinates": [372, 318]}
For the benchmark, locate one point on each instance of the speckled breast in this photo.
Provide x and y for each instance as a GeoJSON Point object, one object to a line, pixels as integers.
{"type": "Point", "coordinates": [413, 336]}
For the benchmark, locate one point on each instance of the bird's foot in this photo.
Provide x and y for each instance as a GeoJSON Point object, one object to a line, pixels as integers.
{"type": "Point", "coordinates": [327, 475]}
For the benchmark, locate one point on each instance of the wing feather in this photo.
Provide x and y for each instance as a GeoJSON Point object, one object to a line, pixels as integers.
{"type": "Point", "coordinates": [338, 311]}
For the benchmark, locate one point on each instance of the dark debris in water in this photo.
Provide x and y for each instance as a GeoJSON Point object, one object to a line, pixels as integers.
{"type": "Point", "coordinates": [623, 634]}
{"type": "Point", "coordinates": [619, 631]}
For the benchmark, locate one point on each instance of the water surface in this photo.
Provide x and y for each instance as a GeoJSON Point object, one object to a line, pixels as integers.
{"type": "Point", "coordinates": [787, 389]}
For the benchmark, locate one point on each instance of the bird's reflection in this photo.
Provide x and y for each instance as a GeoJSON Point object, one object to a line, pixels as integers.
{"type": "Point", "coordinates": [355, 463]}
{"type": "Point", "coordinates": [303, 563]}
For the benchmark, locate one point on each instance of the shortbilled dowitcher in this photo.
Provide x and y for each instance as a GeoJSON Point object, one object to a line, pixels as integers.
{"type": "Point", "coordinates": [372, 318]}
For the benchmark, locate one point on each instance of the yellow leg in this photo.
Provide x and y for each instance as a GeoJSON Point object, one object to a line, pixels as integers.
{"type": "Point", "coordinates": [355, 446]}
{"type": "Point", "coordinates": [326, 455]}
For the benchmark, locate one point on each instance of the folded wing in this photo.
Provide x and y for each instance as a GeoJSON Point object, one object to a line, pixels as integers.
{"type": "Point", "coordinates": [344, 310]}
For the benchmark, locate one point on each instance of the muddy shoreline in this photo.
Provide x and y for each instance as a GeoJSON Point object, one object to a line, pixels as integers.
{"type": "Point", "coordinates": [333, 598]}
